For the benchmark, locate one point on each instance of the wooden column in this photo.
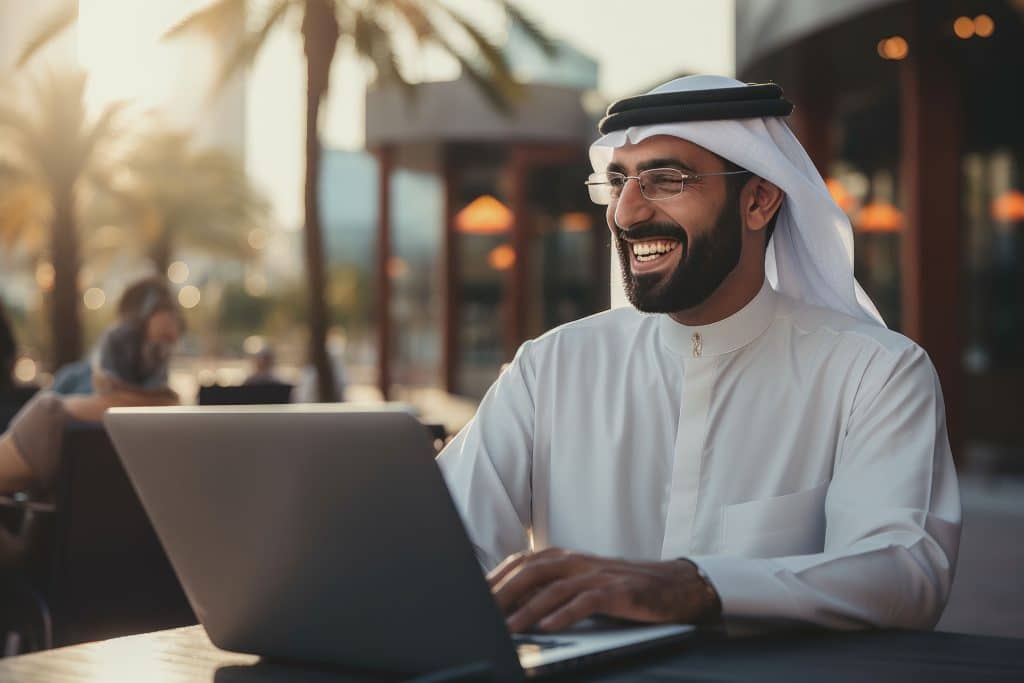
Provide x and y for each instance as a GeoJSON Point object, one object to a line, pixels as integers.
{"type": "Point", "coordinates": [516, 332]}
{"type": "Point", "coordinates": [931, 123]}
{"type": "Point", "coordinates": [385, 163]}
{"type": "Point", "coordinates": [450, 262]}
{"type": "Point", "coordinates": [814, 97]}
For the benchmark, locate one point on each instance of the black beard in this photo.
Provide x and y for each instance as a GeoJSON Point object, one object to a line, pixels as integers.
{"type": "Point", "coordinates": [703, 265]}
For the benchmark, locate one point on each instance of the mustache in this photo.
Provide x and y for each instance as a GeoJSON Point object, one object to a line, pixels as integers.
{"type": "Point", "coordinates": [652, 230]}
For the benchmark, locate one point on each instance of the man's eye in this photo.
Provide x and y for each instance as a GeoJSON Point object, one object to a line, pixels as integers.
{"type": "Point", "coordinates": [665, 179]}
{"type": "Point", "coordinates": [616, 181]}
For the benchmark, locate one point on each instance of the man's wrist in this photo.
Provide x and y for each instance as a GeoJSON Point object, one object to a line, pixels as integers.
{"type": "Point", "coordinates": [710, 601]}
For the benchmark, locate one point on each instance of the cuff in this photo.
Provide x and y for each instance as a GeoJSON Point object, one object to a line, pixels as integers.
{"type": "Point", "coordinates": [747, 587]}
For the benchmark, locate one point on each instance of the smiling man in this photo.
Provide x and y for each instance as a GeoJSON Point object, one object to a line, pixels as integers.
{"type": "Point", "coordinates": [749, 439]}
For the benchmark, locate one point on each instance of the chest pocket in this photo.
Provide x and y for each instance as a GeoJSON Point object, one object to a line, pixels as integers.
{"type": "Point", "coordinates": [793, 524]}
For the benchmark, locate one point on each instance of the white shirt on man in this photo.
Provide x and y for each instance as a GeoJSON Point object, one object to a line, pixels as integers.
{"type": "Point", "coordinates": [797, 455]}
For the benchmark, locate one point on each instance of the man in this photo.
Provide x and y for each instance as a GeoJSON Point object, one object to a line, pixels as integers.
{"type": "Point", "coordinates": [752, 441]}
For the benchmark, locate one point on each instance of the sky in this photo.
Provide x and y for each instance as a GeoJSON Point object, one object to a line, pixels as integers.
{"type": "Point", "coordinates": [636, 44]}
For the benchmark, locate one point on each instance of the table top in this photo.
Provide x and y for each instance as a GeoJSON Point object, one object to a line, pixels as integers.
{"type": "Point", "coordinates": [186, 656]}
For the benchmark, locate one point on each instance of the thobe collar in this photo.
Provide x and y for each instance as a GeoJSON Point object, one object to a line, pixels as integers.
{"type": "Point", "coordinates": [726, 335]}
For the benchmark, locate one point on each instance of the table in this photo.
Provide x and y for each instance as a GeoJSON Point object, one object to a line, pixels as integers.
{"type": "Point", "coordinates": [186, 656]}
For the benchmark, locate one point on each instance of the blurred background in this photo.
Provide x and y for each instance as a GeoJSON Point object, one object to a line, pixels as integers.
{"type": "Point", "coordinates": [385, 198]}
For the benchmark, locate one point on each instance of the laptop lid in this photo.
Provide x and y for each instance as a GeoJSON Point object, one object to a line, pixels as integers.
{"type": "Point", "coordinates": [287, 524]}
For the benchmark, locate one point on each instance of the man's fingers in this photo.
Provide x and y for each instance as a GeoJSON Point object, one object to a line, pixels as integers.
{"type": "Point", "coordinates": [507, 565]}
{"type": "Point", "coordinates": [550, 598]}
{"type": "Point", "coordinates": [588, 603]}
{"type": "Point", "coordinates": [534, 573]}
{"type": "Point", "coordinates": [513, 562]}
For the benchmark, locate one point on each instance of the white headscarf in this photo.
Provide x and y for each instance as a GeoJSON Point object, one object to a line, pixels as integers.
{"type": "Point", "coordinates": [810, 256]}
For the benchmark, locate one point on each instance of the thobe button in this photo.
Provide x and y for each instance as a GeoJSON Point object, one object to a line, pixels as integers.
{"type": "Point", "coordinates": [698, 344]}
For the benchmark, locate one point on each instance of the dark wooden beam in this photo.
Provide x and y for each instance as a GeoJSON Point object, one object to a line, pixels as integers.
{"type": "Point", "coordinates": [385, 163]}
{"type": "Point", "coordinates": [931, 123]}
{"type": "Point", "coordinates": [515, 332]}
{"type": "Point", "coordinates": [450, 264]}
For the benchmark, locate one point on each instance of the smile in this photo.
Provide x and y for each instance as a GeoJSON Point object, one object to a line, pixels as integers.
{"type": "Point", "coordinates": [652, 250]}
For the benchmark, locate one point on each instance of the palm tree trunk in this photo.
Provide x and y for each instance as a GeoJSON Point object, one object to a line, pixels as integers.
{"type": "Point", "coordinates": [160, 255]}
{"type": "Point", "coordinates": [320, 38]}
{"type": "Point", "coordinates": [65, 323]}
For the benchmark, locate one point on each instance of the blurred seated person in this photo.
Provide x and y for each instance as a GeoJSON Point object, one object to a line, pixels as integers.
{"type": "Point", "coordinates": [129, 368]}
{"type": "Point", "coordinates": [148, 305]}
{"type": "Point", "coordinates": [13, 394]}
{"type": "Point", "coordinates": [8, 353]}
{"type": "Point", "coordinates": [263, 362]}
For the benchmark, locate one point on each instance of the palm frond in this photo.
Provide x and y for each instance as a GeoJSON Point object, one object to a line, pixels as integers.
{"type": "Point", "coordinates": [492, 55]}
{"type": "Point", "coordinates": [63, 18]}
{"type": "Point", "coordinates": [213, 20]}
{"type": "Point", "coordinates": [248, 47]}
{"type": "Point", "coordinates": [14, 120]}
{"type": "Point", "coordinates": [496, 83]}
{"type": "Point", "coordinates": [530, 28]}
{"type": "Point", "coordinates": [102, 129]}
{"type": "Point", "coordinates": [175, 194]}
{"type": "Point", "coordinates": [24, 212]}
{"type": "Point", "coordinates": [374, 41]}
{"type": "Point", "coordinates": [497, 95]}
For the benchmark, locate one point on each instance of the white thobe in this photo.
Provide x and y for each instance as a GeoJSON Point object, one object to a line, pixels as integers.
{"type": "Point", "coordinates": [797, 455]}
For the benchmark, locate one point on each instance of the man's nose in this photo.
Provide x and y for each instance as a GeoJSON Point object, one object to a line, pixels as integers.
{"type": "Point", "coordinates": [632, 207]}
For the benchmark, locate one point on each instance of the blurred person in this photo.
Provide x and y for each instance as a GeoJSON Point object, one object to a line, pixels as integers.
{"type": "Point", "coordinates": [263, 363]}
{"type": "Point", "coordinates": [8, 352]}
{"type": "Point", "coordinates": [147, 306]}
{"type": "Point", "coordinates": [748, 440]}
{"type": "Point", "coordinates": [129, 368]}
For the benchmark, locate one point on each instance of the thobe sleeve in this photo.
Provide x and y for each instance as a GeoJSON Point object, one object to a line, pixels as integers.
{"type": "Point", "coordinates": [488, 465]}
{"type": "Point", "coordinates": [892, 518]}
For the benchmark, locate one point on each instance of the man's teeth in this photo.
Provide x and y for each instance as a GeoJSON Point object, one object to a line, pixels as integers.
{"type": "Point", "coordinates": [648, 251]}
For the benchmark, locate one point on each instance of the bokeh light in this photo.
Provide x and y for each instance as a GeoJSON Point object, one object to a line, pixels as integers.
{"type": "Point", "coordinates": [257, 239]}
{"type": "Point", "coordinates": [94, 298]}
{"type": "Point", "coordinates": [895, 48]}
{"type": "Point", "coordinates": [253, 344]}
{"type": "Point", "coordinates": [502, 257]}
{"type": "Point", "coordinates": [25, 370]}
{"type": "Point", "coordinates": [984, 26]}
{"type": "Point", "coordinates": [963, 27]}
{"type": "Point", "coordinates": [189, 296]}
{"type": "Point", "coordinates": [178, 272]}
{"type": "Point", "coordinates": [45, 275]}
{"type": "Point", "coordinates": [255, 284]}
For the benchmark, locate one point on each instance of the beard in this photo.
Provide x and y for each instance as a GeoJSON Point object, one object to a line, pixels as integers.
{"type": "Point", "coordinates": [704, 263]}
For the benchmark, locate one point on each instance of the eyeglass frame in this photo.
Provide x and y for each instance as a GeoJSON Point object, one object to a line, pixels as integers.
{"type": "Point", "coordinates": [684, 177]}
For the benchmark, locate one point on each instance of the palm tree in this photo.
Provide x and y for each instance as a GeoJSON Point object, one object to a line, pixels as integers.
{"type": "Point", "coordinates": [49, 151]}
{"type": "Point", "coordinates": [368, 27]}
{"type": "Point", "coordinates": [174, 194]}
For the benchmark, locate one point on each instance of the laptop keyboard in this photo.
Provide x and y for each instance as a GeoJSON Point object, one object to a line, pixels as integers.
{"type": "Point", "coordinates": [528, 643]}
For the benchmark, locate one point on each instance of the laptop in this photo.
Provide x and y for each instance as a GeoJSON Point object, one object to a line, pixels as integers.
{"type": "Point", "coordinates": [326, 534]}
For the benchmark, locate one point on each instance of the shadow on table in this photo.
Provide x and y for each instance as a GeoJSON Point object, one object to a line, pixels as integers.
{"type": "Point", "coordinates": [277, 672]}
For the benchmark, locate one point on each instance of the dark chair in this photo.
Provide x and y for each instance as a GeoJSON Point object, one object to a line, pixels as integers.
{"type": "Point", "coordinates": [11, 401]}
{"type": "Point", "coordinates": [23, 613]}
{"type": "Point", "coordinates": [246, 394]}
{"type": "Point", "coordinates": [98, 563]}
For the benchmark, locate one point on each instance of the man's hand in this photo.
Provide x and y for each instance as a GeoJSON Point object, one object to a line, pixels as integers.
{"type": "Point", "coordinates": [555, 588]}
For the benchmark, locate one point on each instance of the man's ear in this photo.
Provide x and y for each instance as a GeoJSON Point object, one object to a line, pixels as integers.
{"type": "Point", "coordinates": [760, 201]}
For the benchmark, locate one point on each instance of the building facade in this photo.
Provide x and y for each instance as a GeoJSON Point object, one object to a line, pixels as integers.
{"type": "Point", "coordinates": [912, 111]}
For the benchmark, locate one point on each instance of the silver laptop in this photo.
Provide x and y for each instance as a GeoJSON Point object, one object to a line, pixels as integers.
{"type": "Point", "coordinates": [327, 534]}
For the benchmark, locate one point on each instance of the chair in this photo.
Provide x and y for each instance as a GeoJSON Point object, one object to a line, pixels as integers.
{"type": "Point", "coordinates": [245, 394]}
{"type": "Point", "coordinates": [98, 563]}
{"type": "Point", "coordinates": [11, 402]}
{"type": "Point", "coordinates": [23, 614]}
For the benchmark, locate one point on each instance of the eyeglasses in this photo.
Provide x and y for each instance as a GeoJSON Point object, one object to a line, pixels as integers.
{"type": "Point", "coordinates": [655, 183]}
